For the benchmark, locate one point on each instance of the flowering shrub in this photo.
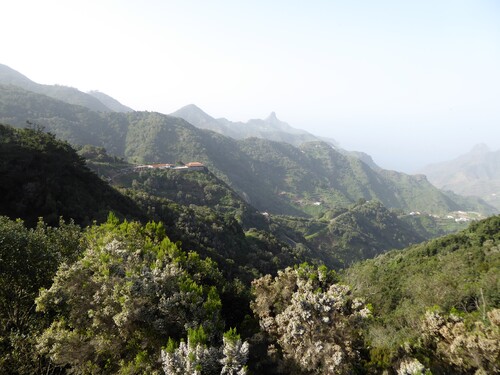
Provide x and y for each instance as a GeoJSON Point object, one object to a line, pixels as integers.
{"type": "Point", "coordinates": [463, 346]}
{"type": "Point", "coordinates": [115, 307]}
{"type": "Point", "coordinates": [196, 358]}
{"type": "Point", "coordinates": [313, 319]}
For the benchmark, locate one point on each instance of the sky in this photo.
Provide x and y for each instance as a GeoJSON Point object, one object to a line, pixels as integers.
{"type": "Point", "coordinates": [408, 82]}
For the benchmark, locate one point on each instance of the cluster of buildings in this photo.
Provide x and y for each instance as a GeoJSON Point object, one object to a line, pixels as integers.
{"type": "Point", "coordinates": [192, 166]}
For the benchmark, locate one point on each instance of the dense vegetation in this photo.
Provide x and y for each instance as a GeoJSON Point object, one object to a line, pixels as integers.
{"type": "Point", "coordinates": [119, 297]}
{"type": "Point", "coordinates": [138, 290]}
{"type": "Point", "coordinates": [44, 177]}
{"type": "Point", "coordinates": [188, 276]}
{"type": "Point", "coordinates": [347, 235]}
{"type": "Point", "coordinates": [29, 259]}
{"type": "Point", "coordinates": [457, 274]}
{"type": "Point", "coordinates": [337, 239]}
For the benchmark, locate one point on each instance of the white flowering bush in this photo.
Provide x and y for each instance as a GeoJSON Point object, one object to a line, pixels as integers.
{"type": "Point", "coordinates": [196, 358]}
{"type": "Point", "coordinates": [411, 366]}
{"type": "Point", "coordinates": [466, 347]}
{"type": "Point", "coordinates": [191, 358]}
{"type": "Point", "coordinates": [315, 321]}
{"type": "Point", "coordinates": [235, 354]}
{"type": "Point", "coordinates": [114, 308]}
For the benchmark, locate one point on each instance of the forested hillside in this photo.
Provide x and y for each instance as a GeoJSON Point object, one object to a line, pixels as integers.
{"type": "Point", "coordinates": [197, 208]}
{"type": "Point", "coordinates": [270, 259]}
{"type": "Point", "coordinates": [437, 302]}
{"type": "Point", "coordinates": [337, 237]}
{"type": "Point", "coordinates": [109, 292]}
{"type": "Point", "coordinates": [44, 177]}
{"type": "Point", "coordinates": [273, 177]}
{"type": "Point", "coordinates": [66, 94]}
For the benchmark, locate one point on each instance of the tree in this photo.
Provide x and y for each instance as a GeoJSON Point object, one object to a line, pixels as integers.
{"type": "Point", "coordinates": [29, 259]}
{"type": "Point", "coordinates": [116, 306]}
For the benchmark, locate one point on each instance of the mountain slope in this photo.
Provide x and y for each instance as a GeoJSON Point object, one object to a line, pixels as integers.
{"type": "Point", "coordinates": [43, 177]}
{"type": "Point", "coordinates": [111, 103]}
{"type": "Point", "coordinates": [461, 258]}
{"type": "Point", "coordinates": [339, 239]}
{"type": "Point", "coordinates": [273, 176]}
{"type": "Point", "coordinates": [455, 274]}
{"type": "Point", "coordinates": [66, 94]}
{"type": "Point", "coordinates": [73, 123]}
{"type": "Point", "coordinates": [270, 128]}
{"type": "Point", "coordinates": [474, 173]}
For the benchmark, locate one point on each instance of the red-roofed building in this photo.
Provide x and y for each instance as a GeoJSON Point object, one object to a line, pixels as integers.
{"type": "Point", "coordinates": [196, 166]}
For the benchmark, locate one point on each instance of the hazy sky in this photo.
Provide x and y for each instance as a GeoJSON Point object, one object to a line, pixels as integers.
{"type": "Point", "coordinates": [409, 82]}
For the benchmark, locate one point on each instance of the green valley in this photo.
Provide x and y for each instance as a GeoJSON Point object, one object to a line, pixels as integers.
{"type": "Point", "coordinates": [274, 177]}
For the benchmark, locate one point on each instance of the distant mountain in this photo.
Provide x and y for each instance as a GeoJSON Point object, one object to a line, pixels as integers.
{"type": "Point", "coordinates": [73, 123]}
{"type": "Point", "coordinates": [273, 176]}
{"type": "Point", "coordinates": [270, 128]}
{"type": "Point", "coordinates": [195, 116]}
{"type": "Point", "coordinates": [110, 102]}
{"type": "Point", "coordinates": [9, 76]}
{"type": "Point", "coordinates": [474, 173]}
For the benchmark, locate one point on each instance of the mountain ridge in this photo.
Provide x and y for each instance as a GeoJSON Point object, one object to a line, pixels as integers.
{"type": "Point", "coordinates": [110, 102]}
{"type": "Point", "coordinates": [475, 173]}
{"type": "Point", "coordinates": [274, 176]}
{"type": "Point", "coordinates": [66, 94]}
{"type": "Point", "coordinates": [269, 128]}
